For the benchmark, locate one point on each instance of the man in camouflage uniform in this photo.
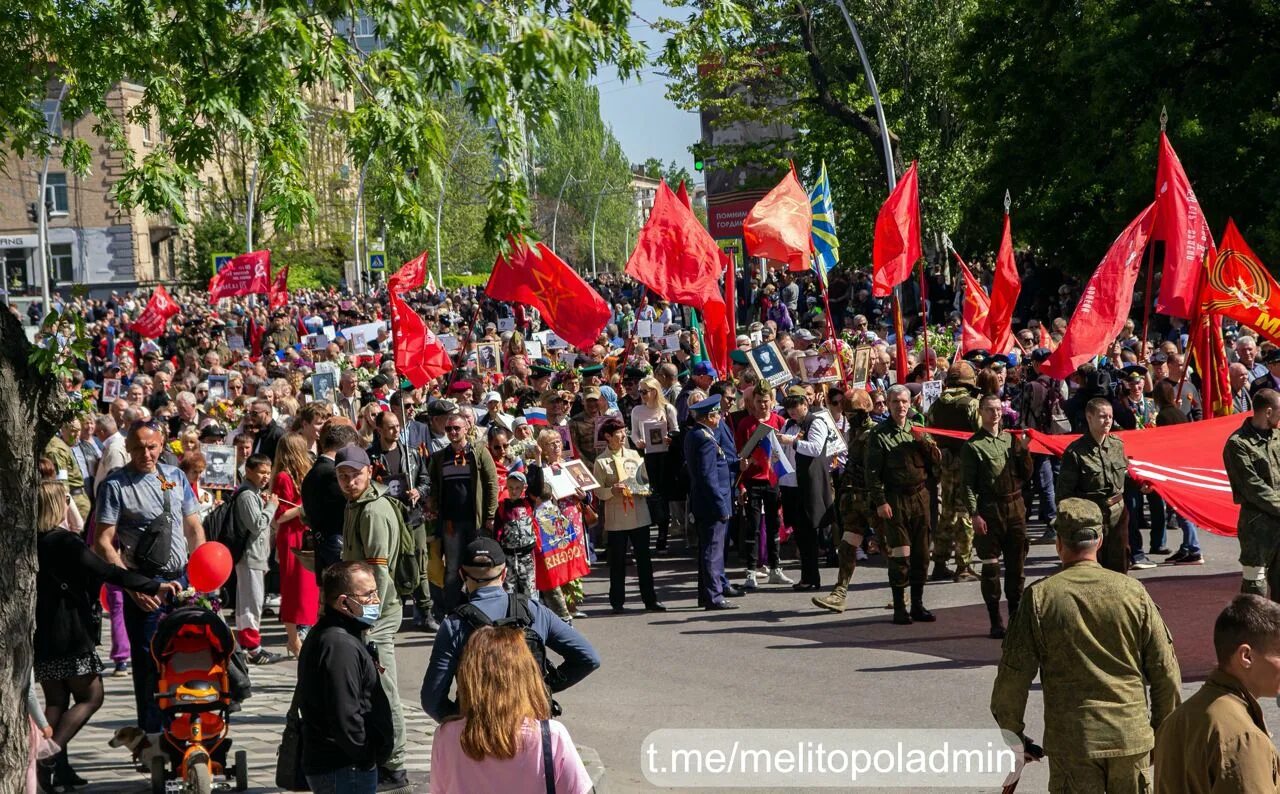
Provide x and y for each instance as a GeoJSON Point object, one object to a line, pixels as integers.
{"type": "Point", "coordinates": [898, 463]}
{"type": "Point", "coordinates": [1094, 467]}
{"type": "Point", "coordinates": [994, 465]}
{"type": "Point", "coordinates": [856, 515]}
{"type": "Point", "coordinates": [1252, 458]}
{"type": "Point", "coordinates": [66, 469]}
{"type": "Point", "coordinates": [956, 409]}
{"type": "Point", "coordinates": [1097, 641]}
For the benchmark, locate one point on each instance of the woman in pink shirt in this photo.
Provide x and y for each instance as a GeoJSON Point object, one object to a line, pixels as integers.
{"type": "Point", "coordinates": [503, 739]}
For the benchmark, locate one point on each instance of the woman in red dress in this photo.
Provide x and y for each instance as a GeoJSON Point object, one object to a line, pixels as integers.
{"type": "Point", "coordinates": [299, 595]}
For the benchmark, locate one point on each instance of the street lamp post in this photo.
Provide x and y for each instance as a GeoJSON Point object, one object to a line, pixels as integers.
{"type": "Point", "coordinates": [42, 208]}
{"type": "Point", "coordinates": [355, 231]}
{"type": "Point", "coordinates": [555, 218]}
{"type": "Point", "coordinates": [886, 144]}
{"type": "Point", "coordinates": [594, 216]}
{"type": "Point", "coordinates": [444, 179]}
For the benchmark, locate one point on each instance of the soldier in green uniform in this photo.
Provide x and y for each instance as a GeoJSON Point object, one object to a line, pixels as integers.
{"type": "Point", "coordinates": [856, 515]}
{"type": "Point", "coordinates": [1097, 641]}
{"type": "Point", "coordinates": [994, 465]}
{"type": "Point", "coordinates": [1094, 468]}
{"type": "Point", "coordinates": [58, 451]}
{"type": "Point", "coordinates": [898, 463]}
{"type": "Point", "coordinates": [1252, 458]}
{"type": "Point", "coordinates": [956, 409]}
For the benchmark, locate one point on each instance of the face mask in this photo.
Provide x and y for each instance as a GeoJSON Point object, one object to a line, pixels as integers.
{"type": "Point", "coordinates": [369, 613]}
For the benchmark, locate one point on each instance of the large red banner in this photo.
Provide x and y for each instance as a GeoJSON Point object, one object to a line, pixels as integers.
{"type": "Point", "coordinates": [247, 274]}
{"type": "Point", "coordinates": [159, 309]}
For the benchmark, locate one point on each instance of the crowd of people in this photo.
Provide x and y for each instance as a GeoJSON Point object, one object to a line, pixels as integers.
{"type": "Point", "coordinates": [356, 501]}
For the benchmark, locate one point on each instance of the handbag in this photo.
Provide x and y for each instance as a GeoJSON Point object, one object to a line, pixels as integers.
{"type": "Point", "coordinates": [289, 774]}
{"type": "Point", "coordinates": [151, 552]}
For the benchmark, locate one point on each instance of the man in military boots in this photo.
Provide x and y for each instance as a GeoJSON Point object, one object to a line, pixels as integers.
{"type": "Point", "coordinates": [898, 463]}
{"type": "Point", "coordinates": [1094, 467]}
{"type": "Point", "coordinates": [994, 465]}
{"type": "Point", "coordinates": [1098, 643]}
{"type": "Point", "coordinates": [956, 409]}
{"type": "Point", "coordinates": [1252, 458]}
{"type": "Point", "coordinates": [856, 514]}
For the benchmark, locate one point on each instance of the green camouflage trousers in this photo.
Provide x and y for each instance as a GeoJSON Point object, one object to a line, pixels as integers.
{"type": "Point", "coordinates": [953, 539]}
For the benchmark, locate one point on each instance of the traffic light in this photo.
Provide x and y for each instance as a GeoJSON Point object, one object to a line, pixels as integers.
{"type": "Point", "coordinates": [699, 161]}
{"type": "Point", "coordinates": [32, 215]}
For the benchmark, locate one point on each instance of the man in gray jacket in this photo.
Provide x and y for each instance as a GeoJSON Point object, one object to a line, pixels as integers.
{"type": "Point", "coordinates": [252, 512]}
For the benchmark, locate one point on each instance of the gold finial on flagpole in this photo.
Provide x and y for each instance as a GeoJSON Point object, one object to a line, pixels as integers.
{"type": "Point", "coordinates": [1164, 117]}
{"type": "Point", "coordinates": [1008, 201]}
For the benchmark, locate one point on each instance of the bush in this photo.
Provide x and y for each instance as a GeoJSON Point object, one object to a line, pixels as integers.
{"type": "Point", "coordinates": [453, 281]}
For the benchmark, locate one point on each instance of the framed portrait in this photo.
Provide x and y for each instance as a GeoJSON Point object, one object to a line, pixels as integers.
{"type": "Point", "coordinates": [644, 329]}
{"type": "Point", "coordinates": [323, 385]}
{"type": "Point", "coordinates": [217, 387]}
{"type": "Point", "coordinates": [110, 390]}
{"type": "Point", "coordinates": [820, 368]}
{"type": "Point", "coordinates": [861, 367]}
{"type": "Point", "coordinates": [768, 363]}
{"type": "Point", "coordinates": [930, 391]}
{"type": "Point", "coordinates": [533, 349]}
{"type": "Point", "coordinates": [488, 355]}
{"type": "Point", "coordinates": [220, 467]}
{"type": "Point", "coordinates": [655, 436]}
{"type": "Point", "coordinates": [669, 343]}
{"type": "Point", "coordinates": [506, 324]}
{"type": "Point", "coordinates": [582, 476]}
{"type": "Point", "coordinates": [235, 342]}
{"type": "Point", "coordinates": [357, 339]}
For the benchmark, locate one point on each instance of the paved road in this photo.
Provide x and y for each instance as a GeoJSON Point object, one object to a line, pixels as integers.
{"type": "Point", "coordinates": [776, 663]}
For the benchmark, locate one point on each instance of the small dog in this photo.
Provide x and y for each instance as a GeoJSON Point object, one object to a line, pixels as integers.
{"type": "Point", "coordinates": [144, 746]}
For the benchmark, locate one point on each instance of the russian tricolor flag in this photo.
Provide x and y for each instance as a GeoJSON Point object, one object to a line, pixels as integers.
{"type": "Point", "coordinates": [536, 416]}
{"type": "Point", "coordinates": [779, 465]}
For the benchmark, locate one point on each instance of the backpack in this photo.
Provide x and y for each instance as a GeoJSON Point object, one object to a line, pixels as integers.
{"type": "Point", "coordinates": [519, 616]}
{"type": "Point", "coordinates": [220, 525]}
{"type": "Point", "coordinates": [1051, 419]}
{"type": "Point", "coordinates": [409, 570]}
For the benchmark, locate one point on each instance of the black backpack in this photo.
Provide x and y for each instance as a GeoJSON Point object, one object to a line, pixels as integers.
{"type": "Point", "coordinates": [220, 525]}
{"type": "Point", "coordinates": [519, 616]}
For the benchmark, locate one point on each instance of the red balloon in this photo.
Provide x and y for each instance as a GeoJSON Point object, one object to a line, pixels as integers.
{"type": "Point", "coordinates": [209, 567]}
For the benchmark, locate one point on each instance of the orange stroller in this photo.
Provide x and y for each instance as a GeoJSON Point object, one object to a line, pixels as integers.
{"type": "Point", "coordinates": [192, 649]}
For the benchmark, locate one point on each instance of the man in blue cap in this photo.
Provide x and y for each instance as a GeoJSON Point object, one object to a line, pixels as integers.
{"type": "Point", "coordinates": [701, 376]}
{"type": "Point", "coordinates": [710, 500]}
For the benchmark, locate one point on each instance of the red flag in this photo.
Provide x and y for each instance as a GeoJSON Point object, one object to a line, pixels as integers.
{"type": "Point", "coordinates": [897, 241]}
{"type": "Point", "coordinates": [1104, 306]}
{"type": "Point", "coordinates": [730, 294]}
{"type": "Point", "coordinates": [1004, 295]}
{"type": "Point", "coordinates": [410, 276]}
{"type": "Point", "coordinates": [682, 193]}
{"type": "Point", "coordinates": [160, 308]}
{"type": "Point", "coordinates": [256, 333]}
{"type": "Point", "coordinates": [676, 258]}
{"type": "Point", "coordinates": [780, 225]}
{"type": "Point", "coordinates": [279, 292]}
{"type": "Point", "coordinates": [247, 274]}
{"type": "Point", "coordinates": [975, 312]}
{"type": "Point", "coordinates": [537, 277]}
{"type": "Point", "coordinates": [1238, 286]}
{"type": "Point", "coordinates": [1181, 226]}
{"type": "Point", "coordinates": [420, 356]}
{"type": "Point", "coordinates": [1046, 341]}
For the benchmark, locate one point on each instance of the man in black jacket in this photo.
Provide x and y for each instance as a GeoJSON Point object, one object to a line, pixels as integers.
{"type": "Point", "coordinates": [323, 502]}
{"type": "Point", "coordinates": [267, 432]}
{"type": "Point", "coordinates": [346, 718]}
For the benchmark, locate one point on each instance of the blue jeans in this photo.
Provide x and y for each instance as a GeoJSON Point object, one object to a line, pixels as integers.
{"type": "Point", "coordinates": [347, 780]}
{"type": "Point", "coordinates": [141, 627]}
{"type": "Point", "coordinates": [1190, 534]}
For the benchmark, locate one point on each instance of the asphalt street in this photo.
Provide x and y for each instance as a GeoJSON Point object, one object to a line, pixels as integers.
{"type": "Point", "coordinates": [781, 663]}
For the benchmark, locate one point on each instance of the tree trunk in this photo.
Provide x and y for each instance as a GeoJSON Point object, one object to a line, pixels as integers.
{"type": "Point", "coordinates": [31, 408]}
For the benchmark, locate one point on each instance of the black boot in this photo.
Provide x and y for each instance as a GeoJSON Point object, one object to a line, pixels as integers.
{"type": "Point", "coordinates": [997, 625]}
{"type": "Point", "coordinates": [63, 774]}
{"type": "Point", "coordinates": [44, 776]}
{"type": "Point", "coordinates": [900, 616]}
{"type": "Point", "coordinates": [918, 612]}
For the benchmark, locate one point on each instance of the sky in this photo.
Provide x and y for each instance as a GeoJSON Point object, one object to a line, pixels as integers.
{"type": "Point", "coordinates": [643, 120]}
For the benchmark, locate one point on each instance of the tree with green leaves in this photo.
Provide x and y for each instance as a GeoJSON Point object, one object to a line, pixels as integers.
{"type": "Point", "coordinates": [246, 70]}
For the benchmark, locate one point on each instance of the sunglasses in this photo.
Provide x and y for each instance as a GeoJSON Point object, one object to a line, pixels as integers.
{"type": "Point", "coordinates": [453, 429]}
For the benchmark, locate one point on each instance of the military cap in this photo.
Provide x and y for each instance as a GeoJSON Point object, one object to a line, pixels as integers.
{"type": "Point", "coordinates": [590, 369]}
{"type": "Point", "coordinates": [537, 370]}
{"type": "Point", "coordinates": [1040, 354]}
{"type": "Point", "coordinates": [961, 374]}
{"type": "Point", "coordinates": [1272, 356]}
{"type": "Point", "coordinates": [591, 393]}
{"type": "Point", "coordinates": [796, 391]}
{"type": "Point", "coordinates": [738, 357]}
{"type": "Point", "coordinates": [1078, 521]}
{"type": "Point", "coordinates": [442, 408]}
{"type": "Point", "coordinates": [1133, 373]}
{"type": "Point", "coordinates": [635, 372]}
{"type": "Point", "coordinates": [1158, 358]}
{"type": "Point", "coordinates": [996, 362]}
{"type": "Point", "coordinates": [707, 406]}
{"type": "Point", "coordinates": [459, 386]}
{"type": "Point", "coordinates": [978, 356]}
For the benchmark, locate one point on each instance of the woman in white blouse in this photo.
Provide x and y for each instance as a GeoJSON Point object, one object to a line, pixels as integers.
{"type": "Point", "coordinates": [652, 424]}
{"type": "Point", "coordinates": [807, 439]}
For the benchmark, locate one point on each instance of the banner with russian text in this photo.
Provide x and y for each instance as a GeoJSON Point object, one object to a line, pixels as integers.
{"type": "Point", "coordinates": [560, 554]}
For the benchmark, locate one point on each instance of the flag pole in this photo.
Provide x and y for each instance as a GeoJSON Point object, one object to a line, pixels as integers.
{"type": "Point", "coordinates": [1147, 298]}
{"type": "Point", "coordinates": [924, 328]}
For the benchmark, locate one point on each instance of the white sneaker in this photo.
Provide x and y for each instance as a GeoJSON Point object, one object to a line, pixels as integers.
{"type": "Point", "coordinates": [763, 571]}
{"type": "Point", "coordinates": [860, 554]}
{"type": "Point", "coordinates": [776, 576]}
{"type": "Point", "coordinates": [750, 583]}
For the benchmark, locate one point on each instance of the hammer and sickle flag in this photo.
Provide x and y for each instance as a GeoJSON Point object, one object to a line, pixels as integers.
{"type": "Point", "coordinates": [1239, 287]}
